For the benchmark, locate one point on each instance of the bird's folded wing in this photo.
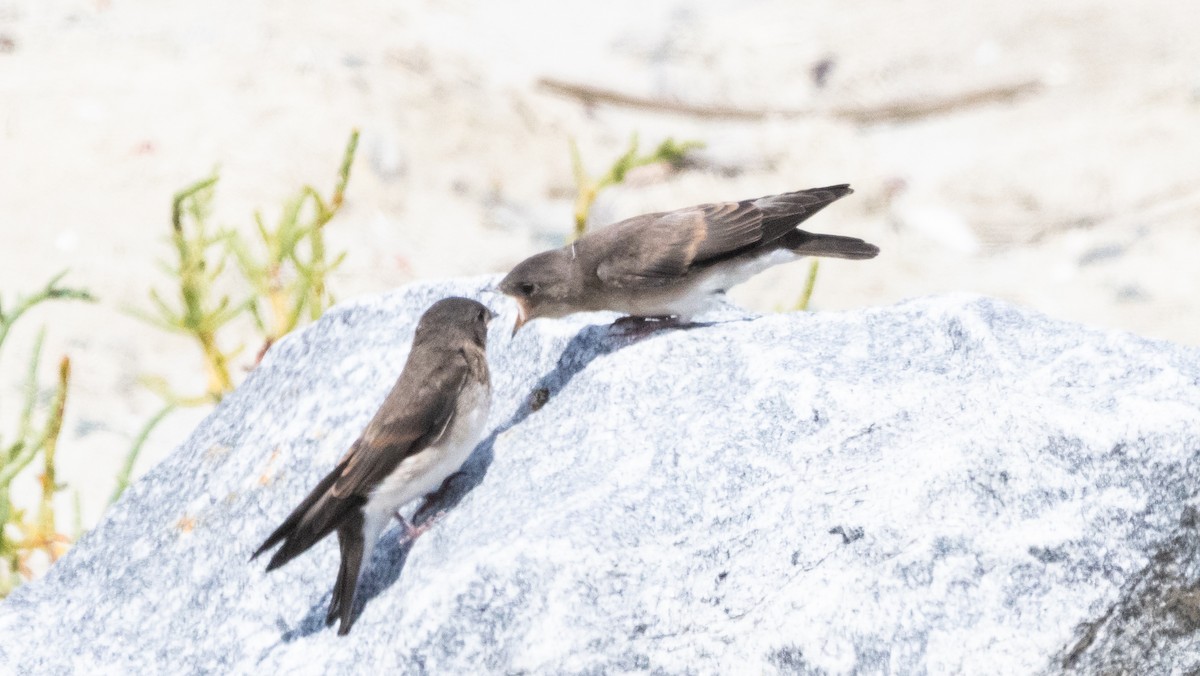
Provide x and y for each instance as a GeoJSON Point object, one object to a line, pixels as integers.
{"type": "Point", "coordinates": [657, 249]}
{"type": "Point", "coordinates": [782, 213]}
{"type": "Point", "coordinates": [414, 416]}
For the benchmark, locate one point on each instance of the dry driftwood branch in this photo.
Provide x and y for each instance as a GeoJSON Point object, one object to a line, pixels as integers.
{"type": "Point", "coordinates": [891, 111]}
{"type": "Point", "coordinates": [925, 107]}
{"type": "Point", "coordinates": [589, 94]}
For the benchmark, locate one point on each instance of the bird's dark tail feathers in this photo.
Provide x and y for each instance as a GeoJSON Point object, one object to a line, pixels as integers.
{"type": "Point", "coordinates": [351, 542]}
{"type": "Point", "coordinates": [828, 246]}
{"type": "Point", "coordinates": [310, 522]}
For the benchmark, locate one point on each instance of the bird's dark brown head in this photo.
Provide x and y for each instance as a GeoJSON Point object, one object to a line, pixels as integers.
{"type": "Point", "coordinates": [542, 285]}
{"type": "Point", "coordinates": [455, 318]}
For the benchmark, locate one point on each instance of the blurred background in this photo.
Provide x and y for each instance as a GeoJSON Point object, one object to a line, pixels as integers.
{"type": "Point", "coordinates": [1043, 153]}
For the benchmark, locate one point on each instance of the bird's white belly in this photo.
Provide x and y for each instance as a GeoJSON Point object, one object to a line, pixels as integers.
{"type": "Point", "coordinates": [699, 291]}
{"type": "Point", "coordinates": [424, 472]}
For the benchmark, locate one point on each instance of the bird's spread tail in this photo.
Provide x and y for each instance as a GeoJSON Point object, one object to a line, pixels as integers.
{"type": "Point", "coordinates": [828, 246]}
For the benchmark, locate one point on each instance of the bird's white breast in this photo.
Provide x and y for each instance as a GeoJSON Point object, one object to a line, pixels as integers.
{"type": "Point", "coordinates": [424, 472]}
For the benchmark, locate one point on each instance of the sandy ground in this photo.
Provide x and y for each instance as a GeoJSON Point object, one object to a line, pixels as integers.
{"type": "Point", "coordinates": [1080, 198]}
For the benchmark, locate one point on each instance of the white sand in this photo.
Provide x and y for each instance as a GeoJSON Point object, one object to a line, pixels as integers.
{"type": "Point", "coordinates": [1080, 199]}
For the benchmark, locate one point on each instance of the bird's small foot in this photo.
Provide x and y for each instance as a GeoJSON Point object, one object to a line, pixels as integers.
{"type": "Point", "coordinates": [640, 327]}
{"type": "Point", "coordinates": [411, 532]}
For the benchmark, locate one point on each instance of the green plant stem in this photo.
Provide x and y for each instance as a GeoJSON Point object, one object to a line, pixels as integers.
{"type": "Point", "coordinates": [809, 284]}
{"type": "Point", "coordinates": [41, 532]}
{"type": "Point", "coordinates": [45, 518]}
{"type": "Point", "coordinates": [25, 422]}
{"type": "Point", "coordinates": [6, 548]}
{"type": "Point", "coordinates": [324, 215]}
{"type": "Point", "coordinates": [194, 282]}
{"type": "Point", "coordinates": [25, 449]}
{"type": "Point", "coordinates": [51, 291]}
{"type": "Point", "coordinates": [135, 451]}
{"type": "Point", "coordinates": [339, 191]}
{"type": "Point", "coordinates": [220, 382]}
{"type": "Point", "coordinates": [587, 188]}
{"type": "Point", "coordinates": [185, 194]}
{"type": "Point", "coordinates": [585, 191]}
{"type": "Point", "coordinates": [284, 281]}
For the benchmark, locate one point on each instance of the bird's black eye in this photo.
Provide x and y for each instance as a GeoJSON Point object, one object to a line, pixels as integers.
{"type": "Point", "coordinates": [482, 315]}
{"type": "Point", "coordinates": [527, 288]}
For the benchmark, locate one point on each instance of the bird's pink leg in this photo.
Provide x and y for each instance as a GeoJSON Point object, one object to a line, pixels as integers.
{"type": "Point", "coordinates": [411, 532]}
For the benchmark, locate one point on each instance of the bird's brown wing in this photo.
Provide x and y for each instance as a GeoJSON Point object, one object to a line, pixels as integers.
{"type": "Point", "coordinates": [413, 417]}
{"type": "Point", "coordinates": [657, 249]}
{"type": "Point", "coordinates": [782, 213]}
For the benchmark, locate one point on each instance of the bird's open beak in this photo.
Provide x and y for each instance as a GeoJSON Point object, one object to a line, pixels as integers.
{"type": "Point", "coordinates": [522, 317]}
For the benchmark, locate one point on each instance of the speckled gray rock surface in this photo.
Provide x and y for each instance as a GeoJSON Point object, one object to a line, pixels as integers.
{"type": "Point", "coordinates": [948, 485]}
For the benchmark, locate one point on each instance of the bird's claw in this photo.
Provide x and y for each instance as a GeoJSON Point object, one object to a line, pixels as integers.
{"type": "Point", "coordinates": [640, 327]}
{"type": "Point", "coordinates": [411, 532]}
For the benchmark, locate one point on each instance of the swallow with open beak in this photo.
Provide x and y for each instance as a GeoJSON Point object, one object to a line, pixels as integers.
{"type": "Point", "coordinates": [672, 264]}
{"type": "Point", "coordinates": [424, 431]}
